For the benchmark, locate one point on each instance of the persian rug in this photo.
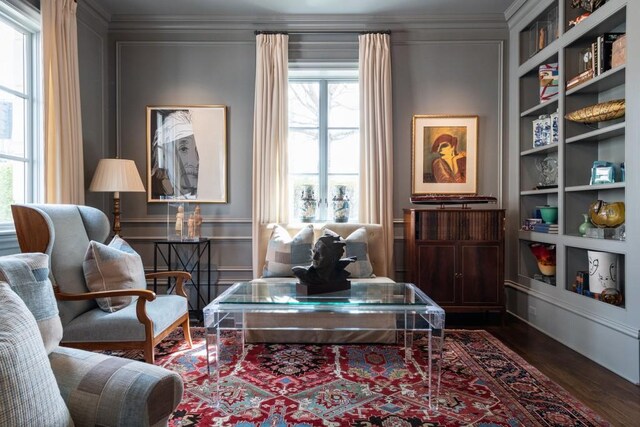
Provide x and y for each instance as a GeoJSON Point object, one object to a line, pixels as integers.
{"type": "Point", "coordinates": [483, 384]}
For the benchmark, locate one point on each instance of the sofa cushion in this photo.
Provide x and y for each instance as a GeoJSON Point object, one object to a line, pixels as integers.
{"type": "Point", "coordinates": [356, 245]}
{"type": "Point", "coordinates": [285, 252]}
{"type": "Point", "coordinates": [112, 267]}
{"type": "Point", "coordinates": [28, 276]}
{"type": "Point", "coordinates": [29, 394]}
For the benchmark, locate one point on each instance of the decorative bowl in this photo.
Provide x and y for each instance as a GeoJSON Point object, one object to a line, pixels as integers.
{"type": "Point", "coordinates": [549, 214]}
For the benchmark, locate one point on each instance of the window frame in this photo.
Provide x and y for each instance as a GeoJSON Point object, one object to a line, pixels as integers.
{"type": "Point", "coordinates": [324, 78]}
{"type": "Point", "coordinates": [26, 20]}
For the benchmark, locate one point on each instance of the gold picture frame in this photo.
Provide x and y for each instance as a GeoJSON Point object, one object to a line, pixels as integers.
{"type": "Point", "coordinates": [444, 154]}
{"type": "Point", "coordinates": [187, 153]}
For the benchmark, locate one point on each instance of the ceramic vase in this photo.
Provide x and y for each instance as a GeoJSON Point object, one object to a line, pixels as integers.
{"type": "Point", "coordinates": [308, 204]}
{"type": "Point", "coordinates": [586, 224]}
{"type": "Point", "coordinates": [545, 257]}
{"type": "Point", "coordinates": [603, 271]}
{"type": "Point", "coordinates": [341, 204]}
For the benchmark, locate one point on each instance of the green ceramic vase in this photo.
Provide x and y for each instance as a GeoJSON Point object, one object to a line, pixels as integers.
{"type": "Point", "coordinates": [582, 229]}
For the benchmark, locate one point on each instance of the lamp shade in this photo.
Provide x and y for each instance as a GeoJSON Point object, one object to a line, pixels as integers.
{"type": "Point", "coordinates": [116, 175]}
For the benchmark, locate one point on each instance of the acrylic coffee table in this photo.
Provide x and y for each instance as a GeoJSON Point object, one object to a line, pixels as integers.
{"type": "Point", "coordinates": [414, 312]}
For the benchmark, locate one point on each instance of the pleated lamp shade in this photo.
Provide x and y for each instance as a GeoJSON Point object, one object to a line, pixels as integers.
{"type": "Point", "coordinates": [116, 175]}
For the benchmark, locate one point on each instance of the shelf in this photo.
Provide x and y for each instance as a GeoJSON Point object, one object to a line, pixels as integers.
{"type": "Point", "coordinates": [596, 187]}
{"type": "Point", "coordinates": [605, 81]}
{"type": "Point", "coordinates": [536, 192]}
{"type": "Point", "coordinates": [539, 150]}
{"type": "Point", "coordinates": [604, 19]}
{"type": "Point", "coordinates": [545, 107]}
{"type": "Point", "coordinates": [532, 236]}
{"type": "Point", "coordinates": [603, 245]}
{"type": "Point", "coordinates": [542, 57]}
{"type": "Point", "coordinates": [611, 131]}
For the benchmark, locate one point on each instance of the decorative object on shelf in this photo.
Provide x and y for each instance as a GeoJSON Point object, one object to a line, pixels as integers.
{"type": "Point", "coordinates": [619, 51]}
{"type": "Point", "coordinates": [578, 19]}
{"type": "Point", "coordinates": [547, 172]}
{"type": "Point", "coordinates": [529, 223]}
{"type": "Point", "coordinates": [611, 296]}
{"type": "Point", "coordinates": [585, 225]}
{"type": "Point", "coordinates": [308, 204]}
{"type": "Point", "coordinates": [549, 214]}
{"type": "Point", "coordinates": [541, 131]}
{"type": "Point", "coordinates": [179, 221]}
{"type": "Point", "coordinates": [580, 78]}
{"type": "Point", "coordinates": [603, 271]}
{"type": "Point", "coordinates": [602, 172]}
{"type": "Point", "coordinates": [622, 172]}
{"type": "Point", "coordinates": [554, 127]}
{"type": "Point", "coordinates": [603, 214]}
{"type": "Point", "coordinates": [545, 256]}
{"type": "Point", "coordinates": [116, 175]}
{"type": "Point", "coordinates": [341, 205]}
{"type": "Point", "coordinates": [327, 270]}
{"type": "Point", "coordinates": [603, 111]}
{"type": "Point", "coordinates": [581, 285]}
{"type": "Point", "coordinates": [444, 155]}
{"type": "Point", "coordinates": [587, 5]}
{"type": "Point", "coordinates": [186, 153]}
{"type": "Point", "coordinates": [613, 233]}
{"type": "Point", "coordinates": [548, 75]}
{"type": "Point", "coordinates": [197, 221]}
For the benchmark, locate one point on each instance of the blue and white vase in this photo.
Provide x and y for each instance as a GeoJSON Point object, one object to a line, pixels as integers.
{"type": "Point", "coordinates": [341, 204]}
{"type": "Point", "coordinates": [308, 204]}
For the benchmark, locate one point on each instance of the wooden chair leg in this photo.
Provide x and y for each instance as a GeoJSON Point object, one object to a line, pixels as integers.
{"type": "Point", "coordinates": [149, 356]}
{"type": "Point", "coordinates": [187, 332]}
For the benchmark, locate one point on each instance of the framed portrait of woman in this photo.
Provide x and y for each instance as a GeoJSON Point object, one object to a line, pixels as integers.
{"type": "Point", "coordinates": [444, 154]}
{"type": "Point", "coordinates": [187, 153]}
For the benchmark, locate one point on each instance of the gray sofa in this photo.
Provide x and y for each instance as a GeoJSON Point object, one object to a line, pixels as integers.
{"type": "Point", "coordinates": [381, 328]}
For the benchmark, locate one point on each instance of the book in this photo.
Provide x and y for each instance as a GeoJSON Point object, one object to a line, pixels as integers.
{"type": "Point", "coordinates": [546, 228]}
{"type": "Point", "coordinates": [580, 78]}
{"type": "Point", "coordinates": [605, 43]}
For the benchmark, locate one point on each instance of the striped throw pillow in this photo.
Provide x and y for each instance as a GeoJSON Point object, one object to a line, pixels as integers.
{"type": "Point", "coordinates": [116, 266]}
{"type": "Point", "coordinates": [357, 246]}
{"type": "Point", "coordinates": [285, 252]}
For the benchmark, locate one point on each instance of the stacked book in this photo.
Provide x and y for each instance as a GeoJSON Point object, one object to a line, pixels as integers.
{"type": "Point", "coordinates": [546, 228]}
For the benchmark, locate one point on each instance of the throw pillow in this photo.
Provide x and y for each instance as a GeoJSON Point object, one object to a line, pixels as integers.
{"type": "Point", "coordinates": [29, 393]}
{"type": "Point", "coordinates": [285, 252]}
{"type": "Point", "coordinates": [357, 246]}
{"type": "Point", "coordinates": [112, 267]}
{"type": "Point", "coordinates": [28, 276]}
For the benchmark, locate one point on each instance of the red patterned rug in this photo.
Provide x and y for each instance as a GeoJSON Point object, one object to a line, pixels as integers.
{"type": "Point", "coordinates": [483, 384]}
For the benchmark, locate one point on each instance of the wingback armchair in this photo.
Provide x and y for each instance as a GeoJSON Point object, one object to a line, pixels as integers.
{"type": "Point", "coordinates": [64, 232]}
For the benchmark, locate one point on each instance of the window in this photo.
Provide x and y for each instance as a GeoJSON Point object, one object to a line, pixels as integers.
{"type": "Point", "coordinates": [19, 114]}
{"type": "Point", "coordinates": [324, 140]}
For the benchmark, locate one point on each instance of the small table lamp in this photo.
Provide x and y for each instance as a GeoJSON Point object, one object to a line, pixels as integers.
{"type": "Point", "coordinates": [116, 175]}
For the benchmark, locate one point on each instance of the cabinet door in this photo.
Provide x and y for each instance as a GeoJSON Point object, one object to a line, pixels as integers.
{"type": "Point", "coordinates": [481, 273]}
{"type": "Point", "coordinates": [436, 271]}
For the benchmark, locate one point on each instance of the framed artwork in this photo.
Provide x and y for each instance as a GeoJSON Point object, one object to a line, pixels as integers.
{"type": "Point", "coordinates": [187, 153]}
{"type": "Point", "coordinates": [444, 154]}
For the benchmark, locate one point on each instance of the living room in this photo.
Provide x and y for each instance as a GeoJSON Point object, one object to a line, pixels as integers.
{"type": "Point", "coordinates": [451, 58]}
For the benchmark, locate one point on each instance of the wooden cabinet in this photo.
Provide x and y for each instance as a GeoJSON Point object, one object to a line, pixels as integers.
{"type": "Point", "coordinates": [456, 256]}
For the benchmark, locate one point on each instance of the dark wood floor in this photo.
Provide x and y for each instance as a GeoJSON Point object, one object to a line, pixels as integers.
{"type": "Point", "coordinates": [613, 397]}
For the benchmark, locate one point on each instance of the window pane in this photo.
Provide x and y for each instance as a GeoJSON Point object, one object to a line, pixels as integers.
{"type": "Point", "coordinates": [303, 151]}
{"type": "Point", "coordinates": [12, 44]}
{"type": "Point", "coordinates": [304, 102]}
{"type": "Point", "coordinates": [343, 105]}
{"type": "Point", "coordinates": [351, 183]}
{"type": "Point", "coordinates": [12, 124]}
{"type": "Point", "coordinates": [12, 187]}
{"type": "Point", "coordinates": [344, 148]}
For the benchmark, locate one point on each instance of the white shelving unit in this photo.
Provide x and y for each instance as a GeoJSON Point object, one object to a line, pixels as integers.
{"type": "Point", "coordinates": [551, 304]}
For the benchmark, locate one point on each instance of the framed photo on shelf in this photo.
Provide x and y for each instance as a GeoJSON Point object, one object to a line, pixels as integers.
{"type": "Point", "coordinates": [444, 154]}
{"type": "Point", "coordinates": [187, 153]}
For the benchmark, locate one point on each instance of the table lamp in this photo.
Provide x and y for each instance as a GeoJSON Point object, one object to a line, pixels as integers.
{"type": "Point", "coordinates": [116, 175]}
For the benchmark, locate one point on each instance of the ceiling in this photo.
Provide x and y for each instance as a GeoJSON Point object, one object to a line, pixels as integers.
{"type": "Point", "coordinates": [304, 7]}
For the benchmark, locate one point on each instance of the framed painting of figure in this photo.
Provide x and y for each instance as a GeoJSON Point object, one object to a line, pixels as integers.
{"type": "Point", "coordinates": [444, 154]}
{"type": "Point", "coordinates": [187, 153]}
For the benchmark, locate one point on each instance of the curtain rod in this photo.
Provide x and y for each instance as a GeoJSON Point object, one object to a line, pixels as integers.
{"type": "Point", "coordinates": [322, 32]}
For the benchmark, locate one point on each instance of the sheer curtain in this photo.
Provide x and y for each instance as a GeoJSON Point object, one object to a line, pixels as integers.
{"type": "Point", "coordinates": [270, 135]}
{"type": "Point", "coordinates": [64, 167]}
{"type": "Point", "coordinates": [376, 136]}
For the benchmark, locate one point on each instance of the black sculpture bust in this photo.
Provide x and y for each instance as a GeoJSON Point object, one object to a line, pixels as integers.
{"type": "Point", "coordinates": [327, 270]}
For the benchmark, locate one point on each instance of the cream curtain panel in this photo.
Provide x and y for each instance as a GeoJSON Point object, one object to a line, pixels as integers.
{"type": "Point", "coordinates": [376, 136]}
{"type": "Point", "coordinates": [270, 135]}
{"type": "Point", "coordinates": [64, 169]}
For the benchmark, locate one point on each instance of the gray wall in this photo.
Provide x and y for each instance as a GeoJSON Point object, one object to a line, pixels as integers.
{"type": "Point", "coordinates": [438, 68]}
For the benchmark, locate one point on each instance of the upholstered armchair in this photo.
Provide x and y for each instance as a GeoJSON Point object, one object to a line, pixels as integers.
{"type": "Point", "coordinates": [64, 232]}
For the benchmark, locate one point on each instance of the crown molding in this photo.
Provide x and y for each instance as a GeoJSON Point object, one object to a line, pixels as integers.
{"type": "Point", "coordinates": [513, 9]}
{"type": "Point", "coordinates": [97, 11]}
{"type": "Point", "coordinates": [319, 23]}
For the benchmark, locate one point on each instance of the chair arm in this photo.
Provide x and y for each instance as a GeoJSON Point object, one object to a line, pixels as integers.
{"type": "Point", "coordinates": [180, 276]}
{"type": "Point", "coordinates": [144, 294]}
{"type": "Point", "coordinates": [115, 391]}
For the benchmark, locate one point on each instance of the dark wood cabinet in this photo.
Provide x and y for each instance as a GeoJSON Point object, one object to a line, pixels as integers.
{"type": "Point", "coordinates": [456, 256]}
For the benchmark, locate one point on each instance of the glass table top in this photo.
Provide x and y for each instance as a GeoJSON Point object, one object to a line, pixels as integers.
{"type": "Point", "coordinates": [367, 294]}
